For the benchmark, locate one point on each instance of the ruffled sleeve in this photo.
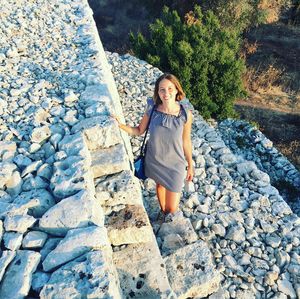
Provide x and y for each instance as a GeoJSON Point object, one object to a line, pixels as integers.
{"type": "Point", "coordinates": [150, 105]}
{"type": "Point", "coordinates": [184, 112]}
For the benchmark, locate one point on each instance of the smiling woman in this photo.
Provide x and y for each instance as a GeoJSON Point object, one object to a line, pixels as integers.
{"type": "Point", "coordinates": [169, 149]}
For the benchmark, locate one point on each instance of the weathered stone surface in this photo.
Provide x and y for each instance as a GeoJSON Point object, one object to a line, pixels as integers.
{"type": "Point", "coordinates": [109, 161]}
{"type": "Point", "coordinates": [236, 233]}
{"type": "Point", "coordinates": [121, 188]}
{"type": "Point", "coordinates": [34, 239]}
{"type": "Point", "coordinates": [39, 279]}
{"type": "Point", "coordinates": [142, 271]}
{"type": "Point", "coordinates": [19, 272]}
{"type": "Point", "coordinates": [129, 225]}
{"type": "Point", "coordinates": [6, 257]}
{"type": "Point", "coordinates": [14, 185]}
{"type": "Point", "coordinates": [37, 202]}
{"type": "Point", "coordinates": [50, 245]}
{"type": "Point", "coordinates": [1, 230]}
{"type": "Point", "coordinates": [18, 223]}
{"type": "Point", "coordinates": [7, 150]}
{"type": "Point", "coordinates": [12, 240]}
{"type": "Point", "coordinates": [286, 287]}
{"type": "Point", "coordinates": [191, 271]}
{"type": "Point", "coordinates": [76, 242]}
{"type": "Point", "coordinates": [103, 135]}
{"type": "Point", "coordinates": [6, 171]}
{"type": "Point", "coordinates": [75, 211]}
{"type": "Point", "coordinates": [92, 275]}
{"type": "Point", "coordinates": [246, 167]}
{"type": "Point", "coordinates": [179, 226]}
{"type": "Point", "coordinates": [70, 176]}
{"type": "Point", "coordinates": [40, 134]}
{"type": "Point", "coordinates": [75, 145]}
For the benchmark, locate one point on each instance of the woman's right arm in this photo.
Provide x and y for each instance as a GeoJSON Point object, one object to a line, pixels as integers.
{"type": "Point", "coordinates": [135, 131]}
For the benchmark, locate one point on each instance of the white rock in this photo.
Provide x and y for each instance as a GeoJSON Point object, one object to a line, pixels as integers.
{"type": "Point", "coordinates": [40, 134]}
{"type": "Point", "coordinates": [75, 211]}
{"type": "Point", "coordinates": [38, 201]}
{"type": "Point", "coordinates": [19, 272]}
{"type": "Point", "coordinates": [109, 161]}
{"type": "Point", "coordinates": [129, 225]}
{"type": "Point", "coordinates": [12, 240]}
{"type": "Point", "coordinates": [196, 278]}
{"type": "Point", "coordinates": [5, 259]}
{"type": "Point", "coordinates": [76, 242]}
{"type": "Point", "coordinates": [31, 168]}
{"type": "Point", "coordinates": [286, 287]}
{"type": "Point", "coordinates": [246, 167]}
{"type": "Point", "coordinates": [39, 279]}
{"type": "Point", "coordinates": [142, 271]}
{"type": "Point", "coordinates": [89, 276]}
{"type": "Point", "coordinates": [7, 149]}
{"type": "Point", "coordinates": [34, 239]}
{"type": "Point", "coordinates": [18, 223]}
{"type": "Point", "coordinates": [14, 185]}
{"type": "Point", "coordinates": [70, 176]}
{"type": "Point", "coordinates": [6, 171]}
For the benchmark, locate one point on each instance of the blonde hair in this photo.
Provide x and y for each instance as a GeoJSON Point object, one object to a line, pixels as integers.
{"type": "Point", "coordinates": [180, 94]}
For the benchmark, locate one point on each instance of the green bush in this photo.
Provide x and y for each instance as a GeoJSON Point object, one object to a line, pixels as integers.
{"type": "Point", "coordinates": [201, 54]}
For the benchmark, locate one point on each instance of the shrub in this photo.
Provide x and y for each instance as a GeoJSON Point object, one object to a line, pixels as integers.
{"type": "Point", "coordinates": [202, 54]}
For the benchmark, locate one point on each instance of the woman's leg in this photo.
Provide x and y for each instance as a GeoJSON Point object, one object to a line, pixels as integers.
{"type": "Point", "coordinates": [161, 195]}
{"type": "Point", "coordinates": [171, 201]}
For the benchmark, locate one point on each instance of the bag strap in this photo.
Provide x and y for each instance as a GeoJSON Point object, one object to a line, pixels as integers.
{"type": "Point", "coordinates": [143, 144]}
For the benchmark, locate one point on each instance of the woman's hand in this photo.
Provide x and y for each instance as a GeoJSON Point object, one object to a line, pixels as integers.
{"type": "Point", "coordinates": [116, 118]}
{"type": "Point", "coordinates": [190, 173]}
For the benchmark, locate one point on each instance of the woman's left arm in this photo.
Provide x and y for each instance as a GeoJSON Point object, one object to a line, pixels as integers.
{"type": "Point", "coordinates": [187, 145]}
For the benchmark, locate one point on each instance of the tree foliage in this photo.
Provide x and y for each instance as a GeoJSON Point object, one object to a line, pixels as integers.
{"type": "Point", "coordinates": [202, 54]}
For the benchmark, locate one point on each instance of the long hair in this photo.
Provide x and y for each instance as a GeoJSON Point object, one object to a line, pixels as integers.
{"type": "Point", "coordinates": [180, 94]}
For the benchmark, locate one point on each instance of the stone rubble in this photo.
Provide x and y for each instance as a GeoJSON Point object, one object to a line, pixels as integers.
{"type": "Point", "coordinates": [232, 205]}
{"type": "Point", "coordinates": [75, 221]}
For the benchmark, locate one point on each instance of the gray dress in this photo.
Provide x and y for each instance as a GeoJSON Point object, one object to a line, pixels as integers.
{"type": "Point", "coordinates": [164, 161]}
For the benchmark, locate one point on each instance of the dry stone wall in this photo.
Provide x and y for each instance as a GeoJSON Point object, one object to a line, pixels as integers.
{"type": "Point", "coordinates": [76, 223]}
{"type": "Point", "coordinates": [71, 211]}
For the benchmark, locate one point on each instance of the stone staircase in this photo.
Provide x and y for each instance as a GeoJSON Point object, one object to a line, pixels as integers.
{"type": "Point", "coordinates": [76, 223]}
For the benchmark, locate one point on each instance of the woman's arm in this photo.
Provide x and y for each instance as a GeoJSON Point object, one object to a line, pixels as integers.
{"type": "Point", "coordinates": [187, 145]}
{"type": "Point", "coordinates": [135, 131]}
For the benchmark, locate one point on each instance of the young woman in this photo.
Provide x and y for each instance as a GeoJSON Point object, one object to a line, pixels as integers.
{"type": "Point", "coordinates": [169, 147]}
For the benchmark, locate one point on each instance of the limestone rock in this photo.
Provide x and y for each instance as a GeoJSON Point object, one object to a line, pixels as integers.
{"type": "Point", "coordinates": [39, 279]}
{"type": "Point", "coordinates": [50, 245]}
{"type": "Point", "coordinates": [142, 271]}
{"type": "Point", "coordinates": [6, 171]}
{"type": "Point", "coordinates": [236, 233]}
{"type": "Point", "coordinates": [129, 225]}
{"type": "Point", "coordinates": [40, 134]}
{"type": "Point", "coordinates": [12, 240]}
{"type": "Point", "coordinates": [34, 239]}
{"type": "Point", "coordinates": [191, 271]}
{"type": "Point", "coordinates": [123, 188]}
{"type": "Point", "coordinates": [75, 211]}
{"type": "Point", "coordinates": [76, 242]}
{"type": "Point", "coordinates": [5, 259]}
{"type": "Point", "coordinates": [286, 287]}
{"type": "Point", "coordinates": [14, 185]}
{"type": "Point", "coordinates": [75, 145]}
{"type": "Point", "coordinates": [92, 275]}
{"type": "Point", "coordinates": [7, 150]}
{"type": "Point", "coordinates": [109, 161]}
{"type": "Point", "coordinates": [38, 201]}
{"type": "Point", "coordinates": [20, 273]}
{"type": "Point", "coordinates": [246, 167]}
{"type": "Point", "coordinates": [99, 132]}
{"type": "Point", "coordinates": [18, 223]}
{"type": "Point", "coordinates": [70, 176]}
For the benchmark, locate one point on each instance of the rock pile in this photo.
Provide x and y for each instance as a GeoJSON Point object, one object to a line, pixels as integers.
{"type": "Point", "coordinates": [73, 221]}
{"type": "Point", "coordinates": [71, 211]}
{"type": "Point", "coordinates": [231, 206]}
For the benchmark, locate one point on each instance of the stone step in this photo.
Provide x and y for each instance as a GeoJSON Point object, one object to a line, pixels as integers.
{"type": "Point", "coordinates": [92, 275]}
{"type": "Point", "coordinates": [109, 160]}
{"type": "Point", "coordinates": [142, 271]}
{"type": "Point", "coordinates": [191, 271]}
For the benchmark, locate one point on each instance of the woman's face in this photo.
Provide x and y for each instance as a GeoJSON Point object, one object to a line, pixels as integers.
{"type": "Point", "coordinates": [167, 90]}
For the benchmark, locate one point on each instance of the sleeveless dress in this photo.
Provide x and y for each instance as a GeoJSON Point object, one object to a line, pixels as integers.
{"type": "Point", "coordinates": [164, 160]}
